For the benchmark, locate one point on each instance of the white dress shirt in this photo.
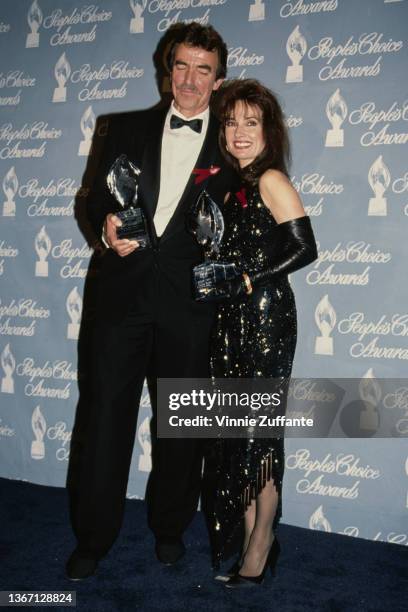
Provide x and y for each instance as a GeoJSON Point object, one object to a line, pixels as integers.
{"type": "Point", "coordinates": [179, 154]}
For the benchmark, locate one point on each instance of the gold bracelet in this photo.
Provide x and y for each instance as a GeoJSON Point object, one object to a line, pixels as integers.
{"type": "Point", "coordinates": [247, 282]}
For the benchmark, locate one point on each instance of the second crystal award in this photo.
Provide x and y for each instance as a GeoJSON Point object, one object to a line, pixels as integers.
{"type": "Point", "coordinates": [207, 224]}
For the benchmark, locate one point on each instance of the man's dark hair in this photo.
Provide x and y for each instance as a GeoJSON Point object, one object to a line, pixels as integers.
{"type": "Point", "coordinates": [276, 153]}
{"type": "Point", "coordinates": [206, 37]}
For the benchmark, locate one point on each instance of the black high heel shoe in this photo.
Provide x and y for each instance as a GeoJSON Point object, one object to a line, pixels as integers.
{"type": "Point", "coordinates": [241, 582]}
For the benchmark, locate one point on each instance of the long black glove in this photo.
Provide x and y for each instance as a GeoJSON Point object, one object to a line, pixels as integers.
{"type": "Point", "coordinates": [297, 249]}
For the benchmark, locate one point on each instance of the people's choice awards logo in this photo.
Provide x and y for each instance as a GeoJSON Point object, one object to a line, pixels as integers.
{"type": "Point", "coordinates": [72, 258]}
{"type": "Point", "coordinates": [10, 187]}
{"type": "Point", "coordinates": [257, 11]}
{"type": "Point", "coordinates": [296, 47]}
{"type": "Point", "coordinates": [397, 399]}
{"type": "Point", "coordinates": [143, 436]}
{"type": "Point", "coordinates": [379, 178]}
{"type": "Point", "coordinates": [8, 363]}
{"type": "Point", "coordinates": [318, 521]}
{"type": "Point", "coordinates": [336, 111]}
{"type": "Point", "coordinates": [325, 317]}
{"type": "Point", "coordinates": [325, 269]}
{"type": "Point", "coordinates": [242, 58]}
{"type": "Point", "coordinates": [368, 115]}
{"type": "Point", "coordinates": [39, 427]}
{"type": "Point", "coordinates": [62, 72]}
{"type": "Point", "coordinates": [87, 128]}
{"type": "Point", "coordinates": [390, 538]}
{"type": "Point", "coordinates": [26, 134]}
{"type": "Point", "coordinates": [294, 8]}
{"type": "Point", "coordinates": [74, 309]}
{"type": "Point", "coordinates": [137, 21]}
{"type": "Point", "coordinates": [365, 45]}
{"type": "Point", "coordinates": [34, 18]}
{"type": "Point", "coordinates": [24, 308]}
{"type": "Point", "coordinates": [42, 245]}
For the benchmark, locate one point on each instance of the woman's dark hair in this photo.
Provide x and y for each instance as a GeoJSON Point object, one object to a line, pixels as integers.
{"type": "Point", "coordinates": [276, 153]}
{"type": "Point", "coordinates": [195, 35]}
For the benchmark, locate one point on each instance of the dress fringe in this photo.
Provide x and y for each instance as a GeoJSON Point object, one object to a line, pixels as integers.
{"type": "Point", "coordinates": [264, 474]}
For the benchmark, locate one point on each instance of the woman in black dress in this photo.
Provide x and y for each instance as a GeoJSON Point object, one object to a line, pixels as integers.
{"type": "Point", "coordinates": [267, 235]}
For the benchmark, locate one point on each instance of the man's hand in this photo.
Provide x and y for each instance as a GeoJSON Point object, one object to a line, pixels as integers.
{"type": "Point", "coordinates": [122, 246]}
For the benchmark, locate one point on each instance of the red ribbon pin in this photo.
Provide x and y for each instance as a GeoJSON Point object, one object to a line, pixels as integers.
{"type": "Point", "coordinates": [201, 174]}
{"type": "Point", "coordinates": [241, 195]}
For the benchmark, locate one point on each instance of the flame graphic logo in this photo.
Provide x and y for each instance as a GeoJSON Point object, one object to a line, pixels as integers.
{"type": "Point", "coordinates": [87, 127]}
{"type": "Point", "coordinates": [318, 521]}
{"type": "Point", "coordinates": [42, 245]}
{"type": "Point", "coordinates": [325, 318]}
{"type": "Point", "coordinates": [296, 47]}
{"type": "Point", "coordinates": [379, 176]}
{"type": "Point", "coordinates": [10, 187]}
{"type": "Point", "coordinates": [34, 19]}
{"type": "Point", "coordinates": [39, 427]}
{"type": "Point", "coordinates": [8, 363]}
{"type": "Point", "coordinates": [336, 111]}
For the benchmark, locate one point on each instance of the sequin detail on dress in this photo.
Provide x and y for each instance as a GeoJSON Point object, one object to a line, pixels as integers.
{"type": "Point", "coordinates": [254, 337]}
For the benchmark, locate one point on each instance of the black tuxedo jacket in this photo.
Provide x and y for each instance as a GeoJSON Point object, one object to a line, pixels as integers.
{"type": "Point", "coordinates": [152, 281]}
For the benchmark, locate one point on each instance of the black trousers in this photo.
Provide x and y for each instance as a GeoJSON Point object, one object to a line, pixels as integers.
{"type": "Point", "coordinates": [174, 345]}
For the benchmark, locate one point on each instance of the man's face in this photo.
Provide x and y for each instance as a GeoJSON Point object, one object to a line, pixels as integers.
{"type": "Point", "coordinates": [193, 79]}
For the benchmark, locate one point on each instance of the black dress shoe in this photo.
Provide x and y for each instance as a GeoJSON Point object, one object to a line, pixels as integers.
{"type": "Point", "coordinates": [169, 550]}
{"type": "Point", "coordinates": [79, 567]}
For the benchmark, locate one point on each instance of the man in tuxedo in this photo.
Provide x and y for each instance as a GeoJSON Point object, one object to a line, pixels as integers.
{"type": "Point", "coordinates": [147, 322]}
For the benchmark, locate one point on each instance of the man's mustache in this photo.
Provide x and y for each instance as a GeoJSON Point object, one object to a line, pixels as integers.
{"type": "Point", "coordinates": [184, 88]}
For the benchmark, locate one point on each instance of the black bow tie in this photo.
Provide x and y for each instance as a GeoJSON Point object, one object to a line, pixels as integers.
{"type": "Point", "coordinates": [177, 122]}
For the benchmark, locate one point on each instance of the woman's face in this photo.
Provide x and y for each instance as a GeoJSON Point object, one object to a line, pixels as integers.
{"type": "Point", "coordinates": [244, 133]}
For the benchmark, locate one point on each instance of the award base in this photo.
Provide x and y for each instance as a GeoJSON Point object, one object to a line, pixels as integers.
{"type": "Point", "coordinates": [7, 385]}
{"type": "Point", "coordinates": [60, 94]}
{"type": "Point", "coordinates": [324, 345]}
{"type": "Point", "coordinates": [134, 226]}
{"type": "Point", "coordinates": [37, 449]}
{"type": "Point", "coordinates": [145, 463]}
{"type": "Point", "coordinates": [136, 25]}
{"type": "Point", "coordinates": [84, 147]}
{"type": "Point", "coordinates": [256, 12]}
{"type": "Point", "coordinates": [210, 274]}
{"type": "Point", "coordinates": [369, 418]}
{"type": "Point", "coordinates": [41, 268]}
{"type": "Point", "coordinates": [334, 138]}
{"type": "Point", "coordinates": [33, 40]}
{"type": "Point", "coordinates": [73, 331]}
{"type": "Point", "coordinates": [377, 207]}
{"type": "Point", "coordinates": [9, 209]}
{"type": "Point", "coordinates": [294, 74]}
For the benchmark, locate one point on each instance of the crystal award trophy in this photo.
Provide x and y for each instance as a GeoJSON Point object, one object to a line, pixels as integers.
{"type": "Point", "coordinates": [207, 224]}
{"type": "Point", "coordinates": [123, 183]}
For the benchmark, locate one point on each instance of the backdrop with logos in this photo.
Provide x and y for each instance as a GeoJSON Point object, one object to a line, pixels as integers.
{"type": "Point", "coordinates": [339, 69]}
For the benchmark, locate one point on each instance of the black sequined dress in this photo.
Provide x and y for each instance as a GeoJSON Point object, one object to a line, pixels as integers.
{"type": "Point", "coordinates": [254, 336]}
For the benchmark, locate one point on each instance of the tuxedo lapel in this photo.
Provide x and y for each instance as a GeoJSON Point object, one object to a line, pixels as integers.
{"type": "Point", "coordinates": [149, 186]}
{"type": "Point", "coordinates": [191, 191]}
